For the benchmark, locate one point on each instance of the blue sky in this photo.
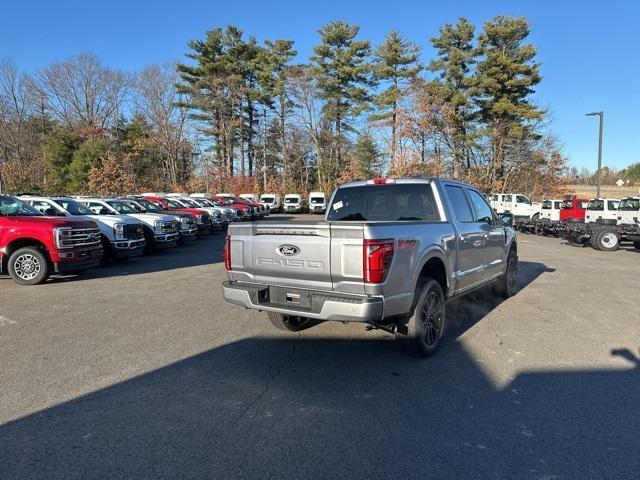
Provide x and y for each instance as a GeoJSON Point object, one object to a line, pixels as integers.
{"type": "Point", "coordinates": [588, 50]}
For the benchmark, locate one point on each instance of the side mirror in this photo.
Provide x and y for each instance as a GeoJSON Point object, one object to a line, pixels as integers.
{"type": "Point", "coordinates": [507, 219]}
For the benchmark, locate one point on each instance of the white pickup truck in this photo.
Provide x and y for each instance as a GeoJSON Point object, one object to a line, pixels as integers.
{"type": "Point", "coordinates": [520, 206]}
{"type": "Point", "coordinates": [160, 230]}
{"type": "Point", "coordinates": [121, 236]}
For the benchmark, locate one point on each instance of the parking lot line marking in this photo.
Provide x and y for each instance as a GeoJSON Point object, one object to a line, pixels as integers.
{"type": "Point", "coordinates": [6, 321]}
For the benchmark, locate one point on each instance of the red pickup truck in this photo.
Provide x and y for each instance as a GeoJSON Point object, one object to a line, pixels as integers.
{"type": "Point", "coordinates": [32, 245]}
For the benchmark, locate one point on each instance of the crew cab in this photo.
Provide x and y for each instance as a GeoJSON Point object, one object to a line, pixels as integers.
{"type": "Point", "coordinates": [599, 209]}
{"type": "Point", "coordinates": [520, 206]}
{"type": "Point", "coordinates": [121, 236]}
{"type": "Point", "coordinates": [317, 202]}
{"type": "Point", "coordinates": [33, 246]}
{"type": "Point", "coordinates": [160, 230]}
{"type": "Point", "coordinates": [203, 219]}
{"type": "Point", "coordinates": [187, 226]}
{"type": "Point", "coordinates": [389, 254]}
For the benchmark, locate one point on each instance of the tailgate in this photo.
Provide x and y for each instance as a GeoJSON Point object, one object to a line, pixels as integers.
{"type": "Point", "coordinates": [318, 256]}
{"type": "Point", "coordinates": [295, 255]}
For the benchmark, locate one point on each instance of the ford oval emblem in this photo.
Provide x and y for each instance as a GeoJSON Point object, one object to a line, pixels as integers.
{"type": "Point", "coordinates": [288, 250]}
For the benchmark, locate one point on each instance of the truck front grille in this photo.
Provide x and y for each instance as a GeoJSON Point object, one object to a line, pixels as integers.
{"type": "Point", "coordinates": [169, 227]}
{"type": "Point", "coordinates": [78, 237]}
{"type": "Point", "coordinates": [133, 231]}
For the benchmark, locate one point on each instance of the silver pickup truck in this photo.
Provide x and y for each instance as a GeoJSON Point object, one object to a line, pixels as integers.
{"type": "Point", "coordinates": [390, 253]}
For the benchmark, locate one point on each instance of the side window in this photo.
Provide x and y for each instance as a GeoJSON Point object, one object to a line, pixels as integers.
{"type": "Point", "coordinates": [482, 210]}
{"type": "Point", "coordinates": [613, 204]}
{"type": "Point", "coordinates": [40, 205]}
{"type": "Point", "coordinates": [95, 207]}
{"type": "Point", "coordinates": [459, 203]}
{"type": "Point", "coordinates": [557, 205]}
{"type": "Point", "coordinates": [507, 198]}
{"type": "Point", "coordinates": [523, 199]}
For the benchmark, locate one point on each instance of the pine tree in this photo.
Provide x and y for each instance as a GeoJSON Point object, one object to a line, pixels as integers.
{"type": "Point", "coordinates": [278, 54]}
{"type": "Point", "coordinates": [505, 77]}
{"type": "Point", "coordinates": [396, 66]}
{"type": "Point", "coordinates": [456, 58]}
{"type": "Point", "coordinates": [343, 75]}
{"type": "Point", "coordinates": [366, 156]}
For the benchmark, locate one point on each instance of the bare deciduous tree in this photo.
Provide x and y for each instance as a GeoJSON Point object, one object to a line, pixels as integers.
{"type": "Point", "coordinates": [81, 92]}
{"type": "Point", "coordinates": [159, 103]}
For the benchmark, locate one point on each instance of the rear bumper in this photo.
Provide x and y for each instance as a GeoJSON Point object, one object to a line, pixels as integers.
{"type": "Point", "coordinates": [323, 305]}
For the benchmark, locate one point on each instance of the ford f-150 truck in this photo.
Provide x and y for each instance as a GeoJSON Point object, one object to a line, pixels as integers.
{"type": "Point", "coordinates": [390, 253]}
{"type": "Point", "coordinates": [32, 245]}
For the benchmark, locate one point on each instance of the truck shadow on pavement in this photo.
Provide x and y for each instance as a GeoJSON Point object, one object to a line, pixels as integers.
{"type": "Point", "coordinates": [312, 406]}
{"type": "Point", "coordinates": [208, 250]}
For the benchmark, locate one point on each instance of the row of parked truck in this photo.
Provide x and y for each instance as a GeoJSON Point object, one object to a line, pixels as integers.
{"type": "Point", "coordinates": [602, 223]}
{"type": "Point", "coordinates": [41, 235]}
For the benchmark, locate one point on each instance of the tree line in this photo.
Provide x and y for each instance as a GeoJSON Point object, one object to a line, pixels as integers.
{"type": "Point", "coordinates": [239, 114]}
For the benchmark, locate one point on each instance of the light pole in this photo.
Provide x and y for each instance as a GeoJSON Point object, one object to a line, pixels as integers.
{"type": "Point", "coordinates": [599, 174]}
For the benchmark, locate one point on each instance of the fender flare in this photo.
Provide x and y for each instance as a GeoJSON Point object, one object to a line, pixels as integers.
{"type": "Point", "coordinates": [433, 251]}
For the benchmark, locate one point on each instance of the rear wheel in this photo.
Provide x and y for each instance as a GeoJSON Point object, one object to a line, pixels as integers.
{"type": "Point", "coordinates": [636, 245]}
{"type": "Point", "coordinates": [426, 326]}
{"type": "Point", "coordinates": [607, 240]}
{"type": "Point", "coordinates": [28, 266]}
{"type": "Point", "coordinates": [290, 323]}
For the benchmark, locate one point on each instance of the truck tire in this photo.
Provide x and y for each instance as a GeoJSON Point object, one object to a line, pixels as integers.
{"type": "Point", "coordinates": [426, 325]}
{"type": "Point", "coordinates": [290, 323]}
{"type": "Point", "coordinates": [507, 285]}
{"type": "Point", "coordinates": [636, 245]}
{"type": "Point", "coordinates": [606, 240]}
{"type": "Point", "coordinates": [106, 251]}
{"type": "Point", "coordinates": [29, 266]}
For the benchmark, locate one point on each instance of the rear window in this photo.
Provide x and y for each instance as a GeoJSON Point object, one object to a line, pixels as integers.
{"type": "Point", "coordinates": [384, 203]}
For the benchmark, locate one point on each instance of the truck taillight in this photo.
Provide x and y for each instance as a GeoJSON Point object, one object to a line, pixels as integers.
{"type": "Point", "coordinates": [376, 260]}
{"type": "Point", "coordinates": [227, 253]}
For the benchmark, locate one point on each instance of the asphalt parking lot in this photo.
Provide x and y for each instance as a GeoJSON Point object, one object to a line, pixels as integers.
{"type": "Point", "coordinates": [141, 370]}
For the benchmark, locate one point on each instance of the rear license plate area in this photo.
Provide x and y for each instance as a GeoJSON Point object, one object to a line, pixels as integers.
{"type": "Point", "coordinates": [292, 297]}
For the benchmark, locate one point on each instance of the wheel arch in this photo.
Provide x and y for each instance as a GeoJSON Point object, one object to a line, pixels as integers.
{"type": "Point", "coordinates": [21, 243]}
{"type": "Point", "coordinates": [433, 265]}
